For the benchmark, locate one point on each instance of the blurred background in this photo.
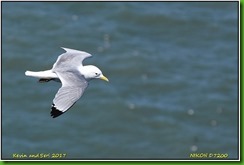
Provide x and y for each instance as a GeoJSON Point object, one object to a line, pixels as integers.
{"type": "Point", "coordinates": [173, 71]}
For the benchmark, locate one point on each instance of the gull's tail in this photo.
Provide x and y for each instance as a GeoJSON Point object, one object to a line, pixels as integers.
{"type": "Point", "coordinates": [48, 74]}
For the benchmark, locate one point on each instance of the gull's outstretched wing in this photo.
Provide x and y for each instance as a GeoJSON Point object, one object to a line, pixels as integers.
{"type": "Point", "coordinates": [73, 87]}
{"type": "Point", "coordinates": [71, 58]}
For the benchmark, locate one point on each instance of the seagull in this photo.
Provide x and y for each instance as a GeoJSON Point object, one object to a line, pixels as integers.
{"type": "Point", "coordinates": [69, 70]}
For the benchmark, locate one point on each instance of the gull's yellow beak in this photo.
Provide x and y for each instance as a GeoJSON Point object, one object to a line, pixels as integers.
{"type": "Point", "coordinates": [104, 78]}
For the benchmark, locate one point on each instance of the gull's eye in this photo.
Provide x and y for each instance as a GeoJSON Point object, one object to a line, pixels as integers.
{"type": "Point", "coordinates": [96, 74]}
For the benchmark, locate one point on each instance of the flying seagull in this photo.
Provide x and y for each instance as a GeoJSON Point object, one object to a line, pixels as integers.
{"type": "Point", "coordinates": [69, 70]}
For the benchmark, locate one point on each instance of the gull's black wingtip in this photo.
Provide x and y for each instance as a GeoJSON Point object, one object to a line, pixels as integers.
{"type": "Point", "coordinates": [55, 112]}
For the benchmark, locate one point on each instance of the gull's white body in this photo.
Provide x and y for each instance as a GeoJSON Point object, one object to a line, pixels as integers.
{"type": "Point", "coordinates": [69, 70]}
{"type": "Point", "coordinates": [50, 74]}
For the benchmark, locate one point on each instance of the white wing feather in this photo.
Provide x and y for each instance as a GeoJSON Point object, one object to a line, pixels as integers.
{"type": "Point", "coordinates": [73, 87]}
{"type": "Point", "coordinates": [71, 58]}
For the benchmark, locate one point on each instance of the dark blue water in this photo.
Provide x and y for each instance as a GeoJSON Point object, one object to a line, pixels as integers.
{"type": "Point", "coordinates": [173, 71]}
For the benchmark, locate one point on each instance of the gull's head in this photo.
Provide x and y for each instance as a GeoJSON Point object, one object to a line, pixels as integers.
{"type": "Point", "coordinates": [92, 72]}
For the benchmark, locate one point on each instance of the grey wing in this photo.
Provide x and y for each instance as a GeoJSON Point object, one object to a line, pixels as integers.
{"type": "Point", "coordinates": [71, 58]}
{"type": "Point", "coordinates": [73, 87]}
